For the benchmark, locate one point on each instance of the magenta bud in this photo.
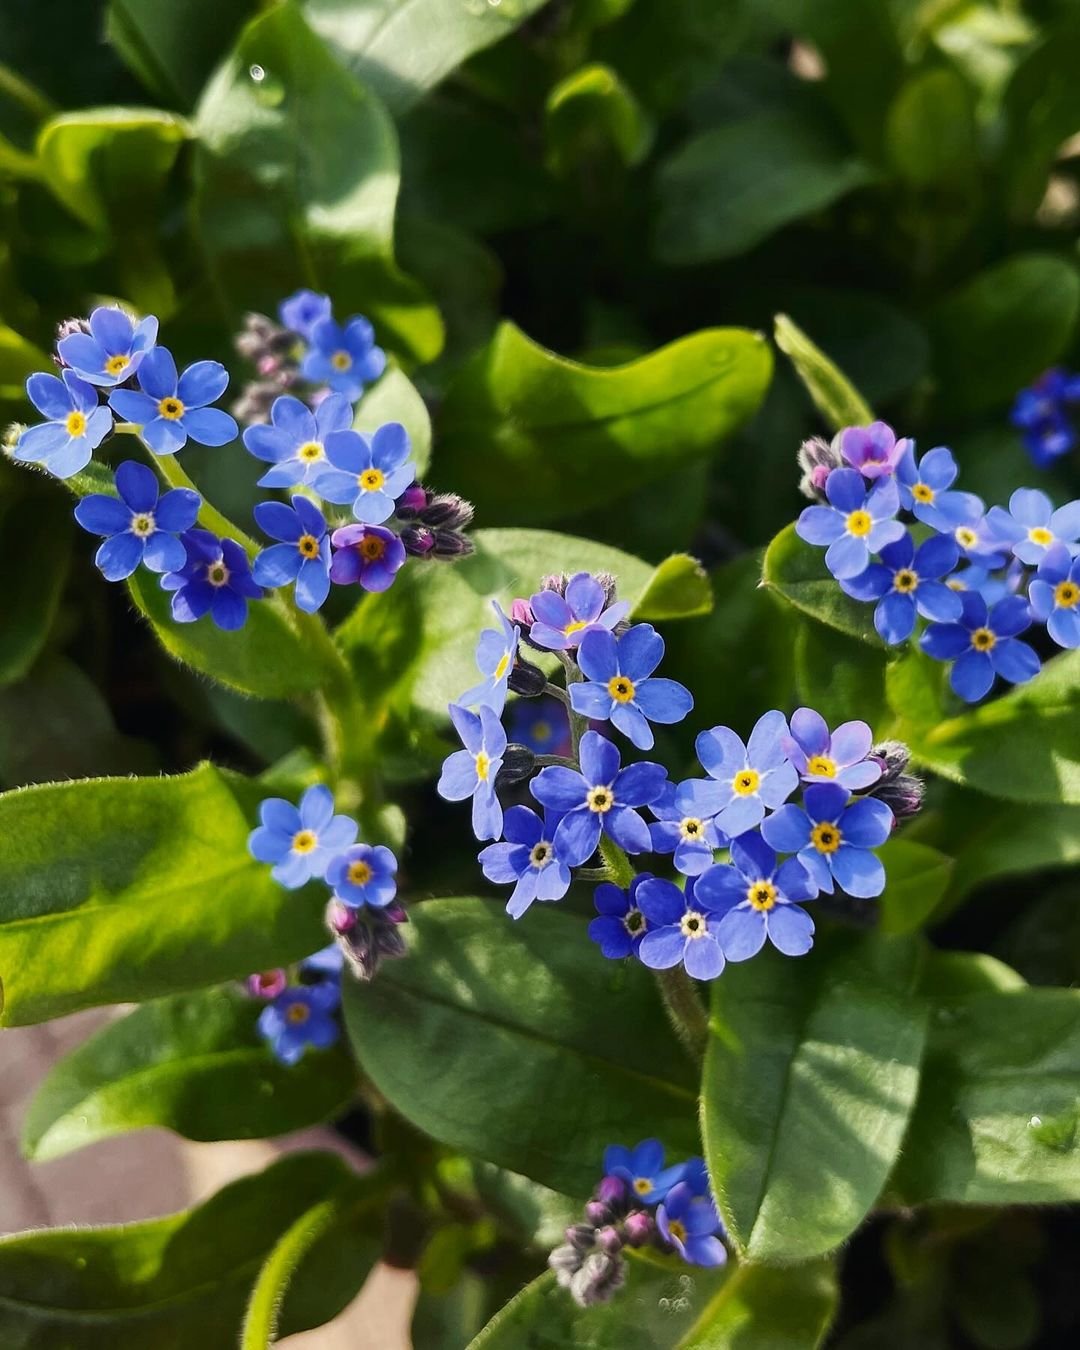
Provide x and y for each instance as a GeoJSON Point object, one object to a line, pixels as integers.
{"type": "Point", "coordinates": [340, 918]}
{"type": "Point", "coordinates": [412, 500]}
{"type": "Point", "coordinates": [611, 1191]}
{"type": "Point", "coordinates": [267, 984]}
{"type": "Point", "coordinates": [596, 1212]}
{"type": "Point", "coordinates": [638, 1228]}
{"type": "Point", "coordinates": [521, 612]}
{"type": "Point", "coordinates": [819, 477]}
{"type": "Point", "coordinates": [395, 913]}
{"type": "Point", "coordinates": [609, 1240]}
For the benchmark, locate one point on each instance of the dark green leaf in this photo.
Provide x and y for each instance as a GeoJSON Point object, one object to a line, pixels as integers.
{"type": "Point", "coordinates": [763, 1309]}
{"type": "Point", "coordinates": [18, 359]}
{"type": "Point", "coordinates": [838, 676]}
{"type": "Point", "coordinates": [34, 579]}
{"type": "Point", "coordinates": [678, 589]}
{"type": "Point", "coordinates": [951, 975]}
{"type": "Point", "coordinates": [835, 397]}
{"type": "Point", "coordinates": [931, 137]}
{"type": "Point", "coordinates": [918, 877]}
{"type": "Point", "coordinates": [1042, 110]}
{"type": "Point", "coordinates": [174, 47]}
{"type": "Point", "coordinates": [796, 570]}
{"type": "Point", "coordinates": [591, 115]}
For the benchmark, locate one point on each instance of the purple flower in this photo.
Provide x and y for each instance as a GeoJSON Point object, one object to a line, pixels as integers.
{"type": "Point", "coordinates": [758, 897]}
{"type": "Point", "coordinates": [752, 778]}
{"type": "Point", "coordinates": [855, 524]}
{"type": "Point", "coordinates": [301, 1016]}
{"type": "Point", "coordinates": [300, 841]}
{"type": "Point", "coordinates": [619, 685]}
{"type": "Point", "coordinates": [295, 442]}
{"type": "Point", "coordinates": [216, 579]}
{"type": "Point", "coordinates": [495, 655]}
{"type": "Point", "coordinates": [832, 836]}
{"type": "Point", "coordinates": [344, 357]}
{"type": "Point", "coordinates": [303, 555]}
{"type": "Point", "coordinates": [471, 772]}
{"type": "Point", "coordinates": [363, 875]}
{"type": "Point", "coordinates": [984, 644]}
{"type": "Point", "coordinates": [76, 426]}
{"type": "Point", "coordinates": [528, 859]}
{"type": "Point", "coordinates": [924, 488]}
{"type": "Point", "coordinates": [621, 924]}
{"type": "Point", "coordinates": [907, 582]}
{"type": "Point", "coordinates": [138, 526]}
{"type": "Point", "coordinates": [643, 1170]}
{"type": "Point", "coordinates": [368, 555]}
{"type": "Point", "coordinates": [302, 310]}
{"type": "Point", "coordinates": [681, 928]}
{"type": "Point", "coordinates": [1031, 525]}
{"type": "Point", "coordinates": [841, 757]}
{"type": "Point", "coordinates": [600, 799]}
{"type": "Point", "coordinates": [559, 622]}
{"type": "Point", "coordinates": [689, 1222]}
{"type": "Point", "coordinates": [873, 450]}
{"type": "Point", "coordinates": [686, 824]}
{"type": "Point", "coordinates": [113, 350]}
{"type": "Point", "coordinates": [170, 409]}
{"type": "Point", "coordinates": [1054, 594]}
{"type": "Point", "coordinates": [369, 474]}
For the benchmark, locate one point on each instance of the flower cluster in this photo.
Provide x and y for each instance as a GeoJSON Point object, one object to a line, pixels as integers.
{"type": "Point", "coordinates": [780, 852]}
{"type": "Point", "coordinates": [1042, 412]}
{"type": "Point", "coordinates": [1018, 563]}
{"type": "Point", "coordinates": [639, 1203]}
{"type": "Point", "coordinates": [300, 1010]}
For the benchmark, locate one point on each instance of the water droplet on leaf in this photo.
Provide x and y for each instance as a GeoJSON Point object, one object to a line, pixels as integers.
{"type": "Point", "coordinates": [1057, 1132]}
{"type": "Point", "coordinates": [257, 74]}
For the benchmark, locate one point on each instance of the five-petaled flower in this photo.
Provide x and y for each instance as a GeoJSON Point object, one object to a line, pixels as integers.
{"type": "Point", "coordinates": [924, 489]}
{"type": "Point", "coordinates": [821, 757]}
{"type": "Point", "coordinates": [1031, 525]}
{"type": "Point", "coordinates": [302, 556]}
{"type": "Point", "coordinates": [620, 924]}
{"type": "Point", "coordinates": [983, 644]}
{"type": "Point", "coordinates": [139, 527]}
{"type": "Point", "coordinates": [559, 621]}
{"type": "Point", "coordinates": [873, 450]}
{"type": "Point", "coordinates": [302, 310]}
{"type": "Point", "coordinates": [542, 725]}
{"type": "Point", "coordinates": [528, 859]}
{"type": "Point", "coordinates": [686, 823]}
{"type": "Point", "coordinates": [688, 1219]}
{"type": "Point", "coordinates": [832, 835]}
{"type": "Point", "coordinates": [759, 896]}
{"type": "Point", "coordinates": [908, 581]}
{"type": "Point", "coordinates": [364, 874]}
{"type": "Point", "coordinates": [368, 555]}
{"type": "Point", "coordinates": [301, 1016]}
{"type": "Point", "coordinates": [752, 778]}
{"type": "Point", "coordinates": [370, 473]}
{"type": "Point", "coordinates": [343, 356]}
{"type": "Point", "coordinates": [620, 687]}
{"type": "Point", "coordinates": [295, 441]}
{"type": "Point", "coordinates": [495, 655]}
{"type": "Point", "coordinates": [643, 1170]}
{"type": "Point", "coordinates": [216, 579]}
{"type": "Point", "coordinates": [1041, 413]}
{"type": "Point", "coordinates": [855, 524]}
{"type": "Point", "coordinates": [114, 348]}
{"type": "Point", "coordinates": [682, 927]}
{"type": "Point", "coordinates": [170, 408]}
{"type": "Point", "coordinates": [471, 772]}
{"type": "Point", "coordinates": [76, 427]}
{"type": "Point", "coordinates": [300, 840]}
{"type": "Point", "coordinates": [1054, 594]}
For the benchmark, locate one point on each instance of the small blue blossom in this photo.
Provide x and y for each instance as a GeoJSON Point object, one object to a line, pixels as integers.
{"type": "Point", "coordinates": [984, 644]}
{"type": "Point", "coordinates": [1054, 594]}
{"type": "Point", "coordinates": [907, 582]}
{"type": "Point", "coordinates": [973, 577]}
{"type": "Point", "coordinates": [300, 841]}
{"type": "Point", "coordinates": [759, 897]}
{"type": "Point", "coordinates": [113, 350]}
{"type": "Point", "coordinates": [602, 798]}
{"type": "Point", "coordinates": [471, 772]}
{"type": "Point", "coordinates": [328, 963]}
{"type": "Point", "coordinates": [495, 655]}
{"type": "Point", "coordinates": [170, 409]}
{"type": "Point", "coordinates": [302, 310]}
{"type": "Point", "coordinates": [368, 473]}
{"type": "Point", "coordinates": [343, 356]}
{"type": "Point", "coordinates": [1031, 525]}
{"type": "Point", "coordinates": [753, 778]}
{"type": "Point", "coordinates": [855, 524]}
{"type": "Point", "coordinates": [1041, 414]}
{"type": "Point", "coordinates": [689, 1221]}
{"type": "Point", "coordinates": [139, 527]}
{"type": "Point", "coordinates": [682, 928]}
{"type": "Point", "coordinates": [215, 580]}
{"type": "Point", "coordinates": [301, 1016]}
{"type": "Point", "coordinates": [643, 1170]}
{"type": "Point", "coordinates": [76, 427]}
{"type": "Point", "coordinates": [976, 538]}
{"type": "Point", "coordinates": [840, 757]}
{"type": "Point", "coordinates": [621, 925]}
{"type": "Point", "coordinates": [832, 837]}
{"type": "Point", "coordinates": [619, 685]}
{"type": "Point", "coordinates": [560, 621]}
{"type": "Point", "coordinates": [295, 441]}
{"type": "Point", "coordinates": [303, 555]}
{"type": "Point", "coordinates": [541, 724]}
{"type": "Point", "coordinates": [364, 874]}
{"type": "Point", "coordinates": [873, 450]}
{"type": "Point", "coordinates": [528, 859]}
{"type": "Point", "coordinates": [686, 823]}
{"type": "Point", "coordinates": [924, 488]}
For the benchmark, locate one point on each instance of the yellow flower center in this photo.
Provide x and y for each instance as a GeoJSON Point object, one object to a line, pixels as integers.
{"type": "Point", "coordinates": [1066, 594]}
{"type": "Point", "coordinates": [922, 492]}
{"type": "Point", "coordinates": [372, 547]}
{"type": "Point", "coordinates": [821, 766]}
{"type": "Point", "coordinates": [859, 523]}
{"type": "Point", "coordinates": [298, 1014]}
{"type": "Point", "coordinates": [620, 688]}
{"type": "Point", "coordinates": [310, 451]}
{"type": "Point", "coordinates": [965, 537]}
{"type": "Point", "coordinates": [304, 841]}
{"type": "Point", "coordinates": [359, 873]}
{"type": "Point", "coordinates": [541, 731]}
{"type": "Point", "coordinates": [905, 581]}
{"type": "Point", "coordinates": [983, 640]}
{"type": "Point", "coordinates": [677, 1229]}
{"type": "Point", "coordinates": [217, 574]}
{"type": "Point", "coordinates": [483, 765]}
{"type": "Point", "coordinates": [142, 526]}
{"type": "Point", "coordinates": [762, 896]}
{"type": "Point", "coordinates": [642, 1185]}
{"type": "Point", "coordinates": [825, 837]}
{"type": "Point", "coordinates": [691, 828]}
{"type": "Point", "coordinates": [341, 360]}
{"type": "Point", "coordinates": [115, 364]}
{"type": "Point", "coordinates": [575, 627]}
{"type": "Point", "coordinates": [540, 854]}
{"type": "Point", "coordinates": [693, 925]}
{"type": "Point", "coordinates": [600, 799]}
{"type": "Point", "coordinates": [75, 423]}
{"type": "Point", "coordinates": [501, 668]}
{"type": "Point", "coordinates": [746, 782]}
{"type": "Point", "coordinates": [308, 545]}
{"type": "Point", "coordinates": [171, 409]}
{"type": "Point", "coordinates": [371, 480]}
{"type": "Point", "coordinates": [1039, 534]}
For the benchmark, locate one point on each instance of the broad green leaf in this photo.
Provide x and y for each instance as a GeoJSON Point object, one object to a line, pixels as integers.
{"type": "Point", "coordinates": [838, 676]}
{"type": "Point", "coordinates": [998, 1116]}
{"type": "Point", "coordinates": [174, 47]}
{"type": "Point", "coordinates": [759, 1308]}
{"type": "Point", "coordinates": [530, 436]}
{"type": "Point", "coordinates": [835, 397]}
{"type": "Point", "coordinates": [796, 570]}
{"type": "Point", "coordinates": [917, 878]}
{"type": "Point", "coordinates": [949, 975]}
{"type": "Point", "coordinates": [537, 1214]}
{"type": "Point", "coordinates": [193, 1063]}
{"type": "Point", "coordinates": [394, 398]}
{"type": "Point", "coordinates": [18, 359]}
{"type": "Point", "coordinates": [931, 137]}
{"type": "Point", "coordinates": [522, 1013]}
{"type": "Point", "coordinates": [678, 589]}
{"type": "Point", "coordinates": [810, 1078]}
{"type": "Point", "coordinates": [592, 114]}
{"type": "Point", "coordinates": [34, 577]}
{"type": "Point", "coordinates": [729, 188]}
{"type": "Point", "coordinates": [297, 180]}
{"type": "Point", "coordinates": [1042, 110]}
{"type": "Point", "coordinates": [129, 888]}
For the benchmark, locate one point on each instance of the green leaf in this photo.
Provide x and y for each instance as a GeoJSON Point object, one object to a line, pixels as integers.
{"type": "Point", "coordinates": [522, 1013]}
{"type": "Point", "coordinates": [998, 1116]}
{"type": "Point", "coordinates": [678, 589]}
{"type": "Point", "coordinates": [194, 1064]}
{"type": "Point", "coordinates": [394, 398]}
{"type": "Point", "coordinates": [530, 436]}
{"type": "Point", "coordinates": [129, 888]}
{"type": "Point", "coordinates": [760, 1308]}
{"type": "Point", "coordinates": [174, 47]}
{"type": "Point", "coordinates": [796, 570]}
{"type": "Point", "coordinates": [34, 579]}
{"type": "Point", "coordinates": [18, 359]}
{"type": "Point", "coordinates": [591, 114]}
{"type": "Point", "coordinates": [917, 878]}
{"type": "Point", "coordinates": [297, 179]}
{"type": "Point", "coordinates": [729, 188]}
{"type": "Point", "coordinates": [931, 137]}
{"type": "Point", "coordinates": [172, 1283]}
{"type": "Point", "coordinates": [838, 676]}
{"type": "Point", "coordinates": [835, 397]}
{"type": "Point", "coordinates": [810, 1078]}
{"type": "Point", "coordinates": [950, 975]}
{"type": "Point", "coordinates": [1042, 110]}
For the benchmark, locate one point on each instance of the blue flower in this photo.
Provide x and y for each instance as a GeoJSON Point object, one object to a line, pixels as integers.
{"type": "Point", "coordinates": [371, 474]}
{"type": "Point", "coordinates": [619, 686]}
{"type": "Point", "coordinates": [368, 556]}
{"type": "Point", "coordinates": [295, 442]}
{"type": "Point", "coordinates": [686, 823]}
{"type": "Point", "coordinates": [1031, 525]}
{"type": "Point", "coordinates": [302, 310]}
{"type": "Point", "coordinates": [76, 427]}
{"type": "Point", "coordinates": [873, 450]}
{"type": "Point", "coordinates": [924, 488]}
{"type": "Point", "coordinates": [542, 725]}
{"type": "Point", "coordinates": [113, 350]}
{"type": "Point", "coordinates": [300, 841]}
{"type": "Point", "coordinates": [907, 582]}
{"type": "Point", "coordinates": [983, 644]}
{"type": "Point", "coordinates": [855, 524]}
{"type": "Point", "coordinates": [752, 777]}
{"type": "Point", "coordinates": [301, 1016]}
{"type": "Point", "coordinates": [974, 577]}
{"type": "Point", "coordinates": [689, 1221]}
{"type": "Point", "coordinates": [216, 579]}
{"type": "Point", "coordinates": [758, 896]}
{"type": "Point", "coordinates": [1054, 594]}
{"type": "Point", "coordinates": [528, 858]}
{"type": "Point", "coordinates": [621, 924]}
{"type": "Point", "coordinates": [841, 757]}
{"type": "Point", "coordinates": [345, 358]}
{"type": "Point", "coordinates": [363, 875]}
{"type": "Point", "coordinates": [328, 963]}
{"type": "Point", "coordinates": [1040, 413]}
{"type": "Point", "coordinates": [138, 527]}
{"type": "Point", "coordinates": [968, 524]}
{"type": "Point", "coordinates": [643, 1170]}
{"type": "Point", "coordinates": [495, 655]}
{"type": "Point", "coordinates": [303, 555]}
{"type": "Point", "coordinates": [471, 772]}
{"type": "Point", "coordinates": [171, 409]}
{"type": "Point", "coordinates": [600, 799]}
{"type": "Point", "coordinates": [559, 621]}
{"type": "Point", "coordinates": [832, 836]}
{"type": "Point", "coordinates": [681, 928]}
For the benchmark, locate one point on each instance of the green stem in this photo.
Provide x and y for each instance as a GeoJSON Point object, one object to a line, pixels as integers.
{"type": "Point", "coordinates": [543, 761]}
{"type": "Point", "coordinates": [684, 1008]}
{"type": "Point", "coordinates": [169, 468]}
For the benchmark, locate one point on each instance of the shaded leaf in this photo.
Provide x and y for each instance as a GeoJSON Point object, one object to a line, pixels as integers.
{"type": "Point", "coordinates": [678, 589]}
{"type": "Point", "coordinates": [174, 47]}
{"type": "Point", "coordinates": [835, 397]}
{"type": "Point", "coordinates": [762, 1309]}
{"type": "Point", "coordinates": [917, 878]}
{"type": "Point", "coordinates": [796, 570]}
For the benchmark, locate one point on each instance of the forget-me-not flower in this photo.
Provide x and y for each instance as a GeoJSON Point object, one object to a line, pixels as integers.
{"type": "Point", "coordinates": [925, 489]}
{"type": "Point", "coordinates": [300, 841]}
{"type": "Point", "coordinates": [172, 408]}
{"type": "Point", "coordinates": [689, 1221]}
{"type": "Point", "coordinates": [368, 555]}
{"type": "Point", "coordinates": [496, 652]}
{"type": "Point", "coordinates": [620, 925]}
{"type": "Point", "coordinates": [983, 644]}
{"type": "Point", "coordinates": [855, 524]}
{"type": "Point", "coordinates": [215, 580]}
{"type": "Point", "coordinates": [832, 836]}
{"type": "Point", "coordinates": [560, 621]}
{"type": "Point", "coordinates": [685, 823]}
{"type": "Point", "coordinates": [908, 581]}
{"type": "Point", "coordinates": [873, 450]}
{"type": "Point", "coordinates": [113, 350]}
{"type": "Point", "coordinates": [471, 772]}
{"type": "Point", "coordinates": [620, 687]}
{"type": "Point", "coordinates": [302, 556]}
{"type": "Point", "coordinates": [759, 896]}
{"type": "Point", "coordinates": [1054, 595]}
{"type": "Point", "coordinates": [302, 310]}
{"type": "Point", "coordinates": [643, 1170]}
{"type": "Point", "coordinates": [295, 441]}
{"type": "Point", "coordinates": [370, 473]}
{"type": "Point", "coordinates": [365, 874]}
{"type": "Point", "coordinates": [76, 427]}
{"type": "Point", "coordinates": [527, 859]}
{"type": "Point", "coordinates": [752, 778]}
{"type": "Point", "coordinates": [343, 356]}
{"type": "Point", "coordinates": [302, 1015]}
{"type": "Point", "coordinates": [1031, 525]}
{"type": "Point", "coordinates": [140, 526]}
{"type": "Point", "coordinates": [821, 757]}
{"type": "Point", "coordinates": [682, 928]}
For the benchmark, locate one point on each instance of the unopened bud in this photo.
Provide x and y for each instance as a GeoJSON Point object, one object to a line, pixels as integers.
{"type": "Point", "coordinates": [527, 680]}
{"type": "Point", "coordinates": [565, 1261]}
{"type": "Point", "coordinates": [557, 582]}
{"type": "Point", "coordinates": [609, 1240]}
{"type": "Point", "coordinates": [447, 510]}
{"type": "Point", "coordinates": [608, 585]}
{"type": "Point", "coordinates": [69, 327]}
{"type": "Point", "coordinates": [597, 1213]}
{"type": "Point", "coordinates": [518, 764]}
{"type": "Point", "coordinates": [612, 1191]}
{"type": "Point", "coordinates": [581, 1236]}
{"type": "Point", "coordinates": [266, 984]}
{"type": "Point", "coordinates": [521, 613]}
{"type": "Point", "coordinates": [902, 792]}
{"type": "Point", "coordinates": [340, 918]}
{"type": "Point", "coordinates": [11, 437]}
{"type": "Point", "coordinates": [418, 540]}
{"type": "Point", "coordinates": [451, 545]}
{"type": "Point", "coordinates": [411, 502]}
{"type": "Point", "coordinates": [598, 1279]}
{"type": "Point", "coordinates": [817, 459]}
{"type": "Point", "coordinates": [638, 1228]}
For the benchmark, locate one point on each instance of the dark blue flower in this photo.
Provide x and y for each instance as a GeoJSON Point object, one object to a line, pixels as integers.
{"type": "Point", "coordinates": [974, 577]}
{"type": "Point", "coordinates": [1054, 594]}
{"type": "Point", "coordinates": [681, 928]}
{"type": "Point", "coordinates": [832, 836]}
{"type": "Point", "coordinates": [855, 524]}
{"type": "Point", "coordinates": [113, 350]}
{"type": "Point", "coordinates": [560, 621]}
{"type": "Point", "coordinates": [300, 841]}
{"type": "Point", "coordinates": [216, 579]}
{"type": "Point", "coordinates": [983, 644]}
{"type": "Point", "coordinates": [924, 488]}
{"type": "Point", "coordinates": [621, 924]}
{"type": "Point", "coordinates": [542, 725]}
{"type": "Point", "coordinates": [344, 357]}
{"type": "Point", "coordinates": [619, 685]}
{"type": "Point", "coordinates": [295, 441]}
{"type": "Point", "coordinates": [753, 778]}
{"type": "Point", "coordinates": [301, 1016]}
{"type": "Point", "coordinates": [171, 409]}
{"type": "Point", "coordinates": [364, 874]}
{"type": "Point", "coordinates": [368, 556]}
{"type": "Point", "coordinates": [643, 1170]}
{"type": "Point", "coordinates": [302, 310]}
{"type": "Point", "coordinates": [495, 655]}
{"type": "Point", "coordinates": [1031, 525]}
{"type": "Point", "coordinates": [328, 963]}
{"type": "Point", "coordinates": [471, 772]}
{"type": "Point", "coordinates": [758, 896]}
{"type": "Point", "coordinates": [303, 555]}
{"type": "Point", "coordinates": [907, 582]}
{"type": "Point", "coordinates": [686, 823]}
{"type": "Point", "coordinates": [841, 757]}
{"type": "Point", "coordinates": [873, 450]}
{"type": "Point", "coordinates": [602, 798]}
{"type": "Point", "coordinates": [76, 427]}
{"type": "Point", "coordinates": [368, 473]}
{"type": "Point", "coordinates": [1041, 414]}
{"type": "Point", "coordinates": [139, 527]}
{"type": "Point", "coordinates": [689, 1221]}
{"type": "Point", "coordinates": [528, 859]}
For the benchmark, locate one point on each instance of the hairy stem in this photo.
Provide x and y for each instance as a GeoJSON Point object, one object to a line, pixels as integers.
{"type": "Point", "coordinates": [684, 1008]}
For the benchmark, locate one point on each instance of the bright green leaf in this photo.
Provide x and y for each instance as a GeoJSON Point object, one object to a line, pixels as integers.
{"type": "Point", "coordinates": [678, 589]}
{"type": "Point", "coordinates": [759, 1308]}
{"type": "Point", "coordinates": [18, 359]}
{"type": "Point", "coordinates": [592, 114]}
{"type": "Point", "coordinates": [835, 397]}
{"type": "Point", "coordinates": [917, 879]}
{"type": "Point", "coordinates": [394, 398]}
{"type": "Point", "coordinates": [796, 570]}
